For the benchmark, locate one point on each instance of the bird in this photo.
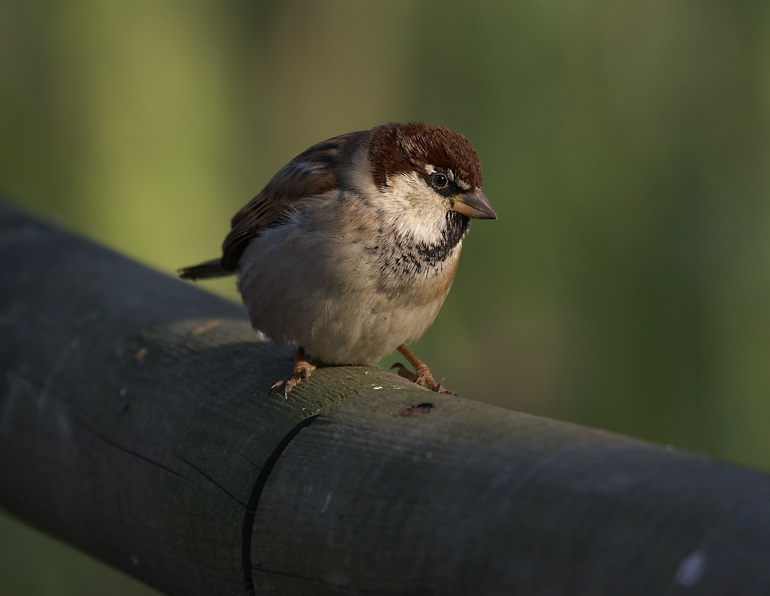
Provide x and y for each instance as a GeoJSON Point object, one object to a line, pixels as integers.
{"type": "Point", "coordinates": [351, 248]}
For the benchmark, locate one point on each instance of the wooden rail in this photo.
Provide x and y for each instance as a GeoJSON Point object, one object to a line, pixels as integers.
{"type": "Point", "coordinates": [135, 425]}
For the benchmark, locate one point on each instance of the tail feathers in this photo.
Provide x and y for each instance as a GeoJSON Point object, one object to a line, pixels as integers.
{"type": "Point", "coordinates": [211, 268]}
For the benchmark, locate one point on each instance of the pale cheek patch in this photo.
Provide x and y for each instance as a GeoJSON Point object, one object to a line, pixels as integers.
{"type": "Point", "coordinates": [413, 209]}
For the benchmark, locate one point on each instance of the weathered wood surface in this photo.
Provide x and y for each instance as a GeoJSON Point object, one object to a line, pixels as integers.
{"type": "Point", "coordinates": [135, 424]}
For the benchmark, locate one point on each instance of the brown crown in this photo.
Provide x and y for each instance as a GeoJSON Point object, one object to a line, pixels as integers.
{"type": "Point", "coordinates": [399, 148]}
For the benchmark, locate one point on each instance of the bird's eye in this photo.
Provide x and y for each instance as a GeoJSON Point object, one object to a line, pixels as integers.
{"type": "Point", "coordinates": [439, 180]}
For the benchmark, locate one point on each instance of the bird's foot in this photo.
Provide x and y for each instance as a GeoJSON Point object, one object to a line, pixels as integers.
{"type": "Point", "coordinates": [302, 369]}
{"type": "Point", "coordinates": [421, 374]}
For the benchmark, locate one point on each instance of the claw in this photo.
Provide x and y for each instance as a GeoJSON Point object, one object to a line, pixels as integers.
{"type": "Point", "coordinates": [417, 378]}
{"type": "Point", "coordinates": [403, 371]}
{"type": "Point", "coordinates": [302, 370]}
{"type": "Point", "coordinates": [422, 375]}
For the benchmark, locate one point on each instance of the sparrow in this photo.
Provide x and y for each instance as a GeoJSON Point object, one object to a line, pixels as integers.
{"type": "Point", "coordinates": [350, 250]}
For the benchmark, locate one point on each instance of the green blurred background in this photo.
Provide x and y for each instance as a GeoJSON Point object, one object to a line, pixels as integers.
{"type": "Point", "coordinates": [625, 147]}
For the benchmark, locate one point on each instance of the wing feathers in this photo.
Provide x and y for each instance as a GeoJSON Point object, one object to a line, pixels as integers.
{"type": "Point", "coordinates": [311, 173]}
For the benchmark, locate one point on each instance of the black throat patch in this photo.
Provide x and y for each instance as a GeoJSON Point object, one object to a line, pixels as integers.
{"type": "Point", "coordinates": [453, 232]}
{"type": "Point", "coordinates": [406, 258]}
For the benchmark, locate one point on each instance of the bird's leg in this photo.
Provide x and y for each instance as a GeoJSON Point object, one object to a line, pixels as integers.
{"type": "Point", "coordinates": [421, 374]}
{"type": "Point", "coordinates": [302, 369]}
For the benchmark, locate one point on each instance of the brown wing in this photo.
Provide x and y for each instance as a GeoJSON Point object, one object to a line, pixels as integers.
{"type": "Point", "coordinates": [312, 172]}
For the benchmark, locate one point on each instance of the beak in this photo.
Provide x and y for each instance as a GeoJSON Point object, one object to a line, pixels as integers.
{"type": "Point", "coordinates": [475, 205]}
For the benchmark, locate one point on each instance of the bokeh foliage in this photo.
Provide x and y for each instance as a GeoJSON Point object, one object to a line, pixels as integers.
{"type": "Point", "coordinates": [625, 146]}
